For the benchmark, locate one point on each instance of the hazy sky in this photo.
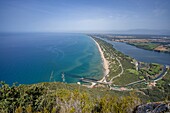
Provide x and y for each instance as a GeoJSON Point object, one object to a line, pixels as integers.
{"type": "Point", "coordinates": [83, 15]}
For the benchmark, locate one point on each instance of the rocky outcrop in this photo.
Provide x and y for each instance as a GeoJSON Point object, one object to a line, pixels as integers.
{"type": "Point", "coordinates": [157, 107]}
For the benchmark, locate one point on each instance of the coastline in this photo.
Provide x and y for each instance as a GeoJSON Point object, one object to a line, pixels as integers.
{"type": "Point", "coordinates": [104, 60]}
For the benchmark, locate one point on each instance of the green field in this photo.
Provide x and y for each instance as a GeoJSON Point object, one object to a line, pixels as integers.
{"type": "Point", "coordinates": [148, 46]}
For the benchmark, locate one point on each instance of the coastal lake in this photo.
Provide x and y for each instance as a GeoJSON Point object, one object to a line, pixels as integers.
{"type": "Point", "coordinates": [141, 54]}
{"type": "Point", "coordinates": [29, 58]}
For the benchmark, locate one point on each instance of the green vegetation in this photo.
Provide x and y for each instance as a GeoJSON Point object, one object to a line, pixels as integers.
{"type": "Point", "coordinates": [151, 70]}
{"type": "Point", "coordinates": [72, 98]}
{"type": "Point", "coordinates": [137, 76]}
{"type": "Point", "coordinates": [123, 68]}
{"type": "Point", "coordinates": [63, 98]}
{"type": "Point", "coordinates": [130, 74]}
{"type": "Point", "coordinates": [161, 91]}
{"type": "Point", "coordinates": [151, 46]}
{"type": "Point", "coordinates": [133, 71]}
{"type": "Point", "coordinates": [114, 56]}
{"type": "Point", "coordinates": [154, 69]}
{"type": "Point", "coordinates": [148, 46]}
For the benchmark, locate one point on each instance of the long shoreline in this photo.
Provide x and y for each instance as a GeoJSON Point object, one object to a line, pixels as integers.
{"type": "Point", "coordinates": [105, 61]}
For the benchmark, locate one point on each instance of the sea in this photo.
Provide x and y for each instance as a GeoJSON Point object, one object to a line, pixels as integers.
{"type": "Point", "coordinates": [28, 58]}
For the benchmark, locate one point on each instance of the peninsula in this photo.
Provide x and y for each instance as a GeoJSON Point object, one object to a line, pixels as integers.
{"type": "Point", "coordinates": [105, 62]}
{"type": "Point", "coordinates": [128, 74]}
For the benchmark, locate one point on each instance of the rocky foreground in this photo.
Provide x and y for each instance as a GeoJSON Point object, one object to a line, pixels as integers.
{"type": "Point", "coordinates": [157, 107]}
{"type": "Point", "coordinates": [71, 98]}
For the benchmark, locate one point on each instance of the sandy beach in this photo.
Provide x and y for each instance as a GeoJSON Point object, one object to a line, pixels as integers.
{"type": "Point", "coordinates": [105, 62]}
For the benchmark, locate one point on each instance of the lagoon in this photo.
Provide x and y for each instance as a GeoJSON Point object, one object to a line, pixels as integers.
{"type": "Point", "coordinates": [142, 54]}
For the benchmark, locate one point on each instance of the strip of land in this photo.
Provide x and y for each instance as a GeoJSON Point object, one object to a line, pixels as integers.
{"type": "Point", "coordinates": [126, 74]}
{"type": "Point", "coordinates": [105, 62]}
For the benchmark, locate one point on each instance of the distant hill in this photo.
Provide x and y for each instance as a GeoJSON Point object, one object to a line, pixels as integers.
{"type": "Point", "coordinates": [142, 31]}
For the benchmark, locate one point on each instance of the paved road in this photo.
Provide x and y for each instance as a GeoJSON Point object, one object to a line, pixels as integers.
{"type": "Point", "coordinates": [162, 74]}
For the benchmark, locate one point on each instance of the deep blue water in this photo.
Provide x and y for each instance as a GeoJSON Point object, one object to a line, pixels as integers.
{"type": "Point", "coordinates": [29, 58]}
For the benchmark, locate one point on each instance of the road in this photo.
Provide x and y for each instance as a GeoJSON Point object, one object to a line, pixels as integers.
{"type": "Point", "coordinates": [162, 74]}
{"type": "Point", "coordinates": [121, 88]}
{"type": "Point", "coordinates": [120, 72]}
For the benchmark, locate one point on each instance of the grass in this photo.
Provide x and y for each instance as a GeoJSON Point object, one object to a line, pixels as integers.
{"type": "Point", "coordinates": [148, 46]}
{"type": "Point", "coordinates": [133, 71]}
{"type": "Point", "coordinates": [129, 74]}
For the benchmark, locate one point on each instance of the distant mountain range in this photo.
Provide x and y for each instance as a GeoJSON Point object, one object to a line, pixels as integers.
{"type": "Point", "coordinates": [133, 31]}
{"type": "Point", "coordinates": [142, 31]}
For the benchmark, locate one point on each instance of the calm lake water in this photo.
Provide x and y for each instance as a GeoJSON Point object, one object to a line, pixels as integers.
{"type": "Point", "coordinates": [141, 54]}
{"type": "Point", "coordinates": [33, 57]}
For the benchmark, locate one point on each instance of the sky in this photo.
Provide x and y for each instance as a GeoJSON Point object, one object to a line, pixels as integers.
{"type": "Point", "coordinates": [83, 15]}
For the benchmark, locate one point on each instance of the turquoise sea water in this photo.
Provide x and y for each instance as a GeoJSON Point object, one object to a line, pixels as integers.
{"type": "Point", "coordinates": [29, 58]}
